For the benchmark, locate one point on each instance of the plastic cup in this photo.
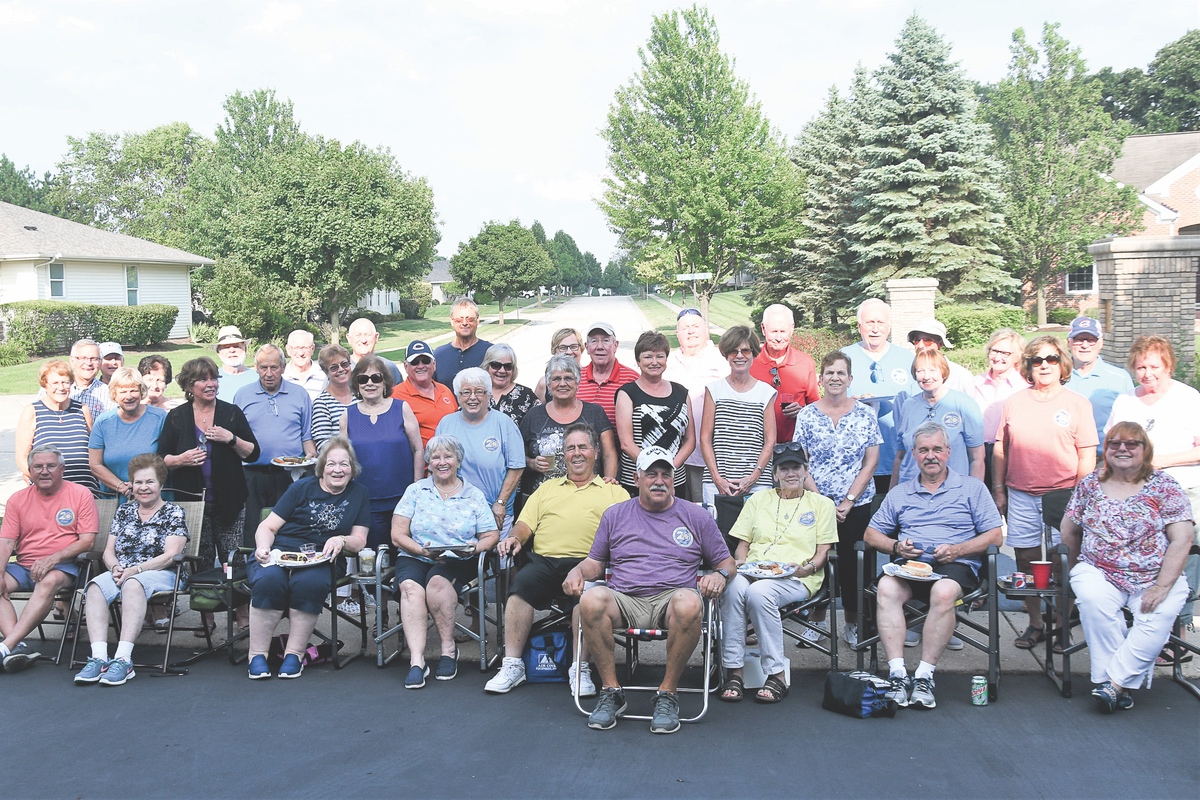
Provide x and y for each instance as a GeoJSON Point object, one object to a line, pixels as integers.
{"type": "Point", "coordinates": [1041, 574]}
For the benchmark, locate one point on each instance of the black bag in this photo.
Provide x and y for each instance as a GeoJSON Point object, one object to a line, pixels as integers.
{"type": "Point", "coordinates": [548, 657]}
{"type": "Point", "coordinates": [857, 694]}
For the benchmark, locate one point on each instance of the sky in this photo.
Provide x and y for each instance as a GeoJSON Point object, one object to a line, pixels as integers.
{"type": "Point", "coordinates": [497, 103]}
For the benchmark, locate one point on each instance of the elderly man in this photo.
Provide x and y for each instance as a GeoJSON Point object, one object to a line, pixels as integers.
{"type": "Point", "coordinates": [362, 337]}
{"type": "Point", "coordinates": [600, 379]}
{"type": "Point", "coordinates": [88, 388]}
{"type": "Point", "coordinates": [789, 370]}
{"type": "Point", "coordinates": [694, 364]}
{"type": "Point", "coordinates": [880, 371]}
{"type": "Point", "coordinates": [231, 358]}
{"type": "Point", "coordinates": [1094, 378]}
{"type": "Point", "coordinates": [940, 517]}
{"type": "Point", "coordinates": [428, 399]}
{"type": "Point", "coordinates": [562, 517]}
{"type": "Point", "coordinates": [46, 525]}
{"type": "Point", "coordinates": [112, 358]}
{"type": "Point", "coordinates": [280, 415]}
{"type": "Point", "coordinates": [301, 369]}
{"type": "Point", "coordinates": [655, 546]}
{"type": "Point", "coordinates": [931, 333]}
{"type": "Point", "coordinates": [467, 349]}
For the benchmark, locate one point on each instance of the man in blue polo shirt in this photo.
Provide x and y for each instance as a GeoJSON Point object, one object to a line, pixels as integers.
{"type": "Point", "coordinates": [946, 520]}
{"type": "Point", "coordinates": [1094, 378]}
{"type": "Point", "coordinates": [466, 350]}
{"type": "Point", "coordinates": [280, 414]}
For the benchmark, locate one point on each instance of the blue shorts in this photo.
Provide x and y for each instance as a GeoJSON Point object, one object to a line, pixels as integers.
{"type": "Point", "coordinates": [25, 582]}
{"type": "Point", "coordinates": [154, 580]}
{"type": "Point", "coordinates": [278, 588]}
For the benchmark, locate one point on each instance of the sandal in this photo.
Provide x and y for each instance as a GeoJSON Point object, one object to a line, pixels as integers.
{"type": "Point", "coordinates": [1030, 637]}
{"type": "Point", "coordinates": [733, 689]}
{"type": "Point", "coordinates": [1060, 642]}
{"type": "Point", "coordinates": [1167, 657]}
{"type": "Point", "coordinates": [772, 691]}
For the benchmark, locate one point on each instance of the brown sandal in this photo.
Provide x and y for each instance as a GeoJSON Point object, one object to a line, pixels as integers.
{"type": "Point", "coordinates": [1030, 637]}
{"type": "Point", "coordinates": [772, 691]}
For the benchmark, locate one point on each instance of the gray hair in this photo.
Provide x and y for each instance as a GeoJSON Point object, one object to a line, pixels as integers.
{"type": "Point", "coordinates": [445, 442]}
{"type": "Point", "coordinates": [270, 348]}
{"type": "Point", "coordinates": [84, 343]}
{"type": "Point", "coordinates": [584, 428]}
{"type": "Point", "coordinates": [44, 448]}
{"type": "Point", "coordinates": [930, 428]}
{"type": "Point", "coordinates": [472, 376]}
{"type": "Point", "coordinates": [501, 349]}
{"type": "Point", "coordinates": [869, 303]}
{"type": "Point", "coordinates": [780, 311]}
{"type": "Point", "coordinates": [465, 302]}
{"type": "Point", "coordinates": [300, 337]}
{"type": "Point", "coordinates": [562, 363]}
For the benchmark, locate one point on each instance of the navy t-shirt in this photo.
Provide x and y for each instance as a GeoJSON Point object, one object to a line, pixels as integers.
{"type": "Point", "coordinates": [311, 514]}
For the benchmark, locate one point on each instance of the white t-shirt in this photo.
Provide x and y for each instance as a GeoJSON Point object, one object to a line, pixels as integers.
{"type": "Point", "coordinates": [1172, 423]}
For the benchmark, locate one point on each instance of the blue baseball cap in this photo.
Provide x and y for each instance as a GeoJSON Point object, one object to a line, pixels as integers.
{"type": "Point", "coordinates": [1087, 325]}
{"type": "Point", "coordinates": [415, 349]}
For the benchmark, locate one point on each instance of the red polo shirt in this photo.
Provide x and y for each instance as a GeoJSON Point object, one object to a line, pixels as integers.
{"type": "Point", "coordinates": [428, 412]}
{"type": "Point", "coordinates": [796, 382]}
{"type": "Point", "coordinates": [605, 394]}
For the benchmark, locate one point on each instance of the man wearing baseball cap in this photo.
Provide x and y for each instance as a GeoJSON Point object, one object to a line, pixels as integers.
{"type": "Point", "coordinates": [931, 333]}
{"type": "Point", "coordinates": [655, 546]}
{"type": "Point", "coordinates": [428, 399]}
{"type": "Point", "coordinates": [600, 379]}
{"type": "Point", "coordinates": [1093, 377]}
{"type": "Point", "coordinates": [112, 358]}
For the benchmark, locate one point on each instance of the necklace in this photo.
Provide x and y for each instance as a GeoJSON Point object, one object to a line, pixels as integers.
{"type": "Point", "coordinates": [373, 413]}
{"type": "Point", "coordinates": [453, 491]}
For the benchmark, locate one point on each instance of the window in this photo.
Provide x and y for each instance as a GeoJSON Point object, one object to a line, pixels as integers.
{"type": "Point", "coordinates": [131, 285]}
{"type": "Point", "coordinates": [57, 281]}
{"type": "Point", "coordinates": [1081, 280]}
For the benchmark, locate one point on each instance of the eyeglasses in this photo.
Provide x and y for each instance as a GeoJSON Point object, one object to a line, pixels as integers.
{"type": "Point", "coordinates": [340, 366]}
{"type": "Point", "coordinates": [1128, 444]}
{"type": "Point", "coordinates": [1005, 353]}
{"type": "Point", "coordinates": [744, 351]}
{"type": "Point", "coordinates": [473, 393]}
{"type": "Point", "coordinates": [374, 377]}
{"type": "Point", "coordinates": [695, 312]}
{"type": "Point", "coordinates": [1050, 359]}
{"type": "Point", "coordinates": [461, 320]}
{"type": "Point", "coordinates": [876, 372]}
{"type": "Point", "coordinates": [775, 376]}
{"type": "Point", "coordinates": [564, 349]}
{"type": "Point", "coordinates": [421, 361]}
{"type": "Point", "coordinates": [496, 366]}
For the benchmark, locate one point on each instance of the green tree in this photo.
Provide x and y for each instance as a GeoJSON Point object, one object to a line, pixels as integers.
{"type": "Point", "coordinates": [927, 203]}
{"type": "Point", "coordinates": [1125, 95]}
{"type": "Point", "coordinates": [565, 256]}
{"type": "Point", "coordinates": [699, 183]}
{"type": "Point", "coordinates": [501, 260]}
{"type": "Point", "coordinates": [22, 187]}
{"type": "Point", "coordinates": [589, 270]}
{"type": "Point", "coordinates": [1057, 144]}
{"type": "Point", "coordinates": [1173, 78]}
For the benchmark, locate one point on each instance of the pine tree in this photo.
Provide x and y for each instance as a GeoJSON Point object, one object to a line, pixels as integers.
{"type": "Point", "coordinates": [927, 200]}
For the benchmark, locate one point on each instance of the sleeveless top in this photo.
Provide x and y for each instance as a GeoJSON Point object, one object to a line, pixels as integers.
{"type": "Point", "coordinates": [384, 452]}
{"type": "Point", "coordinates": [68, 431]}
{"type": "Point", "coordinates": [738, 433]}
{"type": "Point", "coordinates": [660, 421]}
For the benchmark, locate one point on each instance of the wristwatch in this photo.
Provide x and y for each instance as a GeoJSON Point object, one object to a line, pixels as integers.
{"type": "Point", "coordinates": [851, 496]}
{"type": "Point", "coordinates": [723, 574]}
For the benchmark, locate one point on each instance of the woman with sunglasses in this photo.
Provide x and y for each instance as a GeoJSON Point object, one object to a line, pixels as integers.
{"type": "Point", "coordinates": [564, 342]}
{"type": "Point", "coordinates": [387, 441]}
{"type": "Point", "coordinates": [330, 405]}
{"type": "Point", "coordinates": [1045, 444]}
{"type": "Point", "coordinates": [1128, 528]}
{"type": "Point", "coordinates": [508, 397]}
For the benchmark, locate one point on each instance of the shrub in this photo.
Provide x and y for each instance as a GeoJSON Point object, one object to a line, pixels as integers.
{"type": "Point", "coordinates": [136, 326]}
{"type": "Point", "coordinates": [421, 294]}
{"type": "Point", "coordinates": [203, 333]}
{"type": "Point", "coordinates": [45, 327]}
{"type": "Point", "coordinates": [819, 342]}
{"type": "Point", "coordinates": [970, 325]}
{"type": "Point", "coordinates": [1061, 316]}
{"type": "Point", "coordinates": [409, 309]}
{"type": "Point", "coordinates": [12, 354]}
{"type": "Point", "coordinates": [264, 309]}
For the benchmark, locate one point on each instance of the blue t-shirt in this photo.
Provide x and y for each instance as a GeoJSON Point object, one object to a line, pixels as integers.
{"type": "Point", "coordinates": [122, 440]}
{"type": "Point", "coordinates": [1102, 386]}
{"type": "Point", "coordinates": [490, 449]}
{"type": "Point", "coordinates": [451, 361]}
{"type": "Point", "coordinates": [228, 385]}
{"type": "Point", "coordinates": [311, 514]}
{"type": "Point", "coordinates": [884, 378]}
{"type": "Point", "coordinates": [958, 413]}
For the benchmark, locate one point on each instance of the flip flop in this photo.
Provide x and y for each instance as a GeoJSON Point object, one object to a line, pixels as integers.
{"type": "Point", "coordinates": [735, 685]}
{"type": "Point", "coordinates": [1030, 637]}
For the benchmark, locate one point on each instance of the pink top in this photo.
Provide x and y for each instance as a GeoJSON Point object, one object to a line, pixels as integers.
{"type": "Point", "coordinates": [44, 525]}
{"type": "Point", "coordinates": [1042, 439]}
{"type": "Point", "coordinates": [991, 394]}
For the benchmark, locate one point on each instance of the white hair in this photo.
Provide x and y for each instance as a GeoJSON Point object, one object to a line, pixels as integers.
{"type": "Point", "coordinates": [868, 304]}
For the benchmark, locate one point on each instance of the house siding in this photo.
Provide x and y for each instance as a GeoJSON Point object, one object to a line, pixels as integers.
{"type": "Point", "coordinates": [18, 281]}
{"type": "Point", "coordinates": [170, 284]}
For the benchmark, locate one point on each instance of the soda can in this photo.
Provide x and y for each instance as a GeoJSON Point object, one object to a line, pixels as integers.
{"type": "Point", "coordinates": [979, 691]}
{"type": "Point", "coordinates": [1018, 580]}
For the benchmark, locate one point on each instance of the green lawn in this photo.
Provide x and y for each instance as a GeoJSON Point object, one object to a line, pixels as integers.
{"type": "Point", "coordinates": [730, 308]}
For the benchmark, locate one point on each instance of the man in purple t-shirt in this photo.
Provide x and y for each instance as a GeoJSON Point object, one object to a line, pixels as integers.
{"type": "Point", "coordinates": [655, 546]}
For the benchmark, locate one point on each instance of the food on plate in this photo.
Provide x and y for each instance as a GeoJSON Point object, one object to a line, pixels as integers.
{"type": "Point", "coordinates": [297, 460]}
{"type": "Point", "coordinates": [293, 558]}
{"type": "Point", "coordinates": [919, 569]}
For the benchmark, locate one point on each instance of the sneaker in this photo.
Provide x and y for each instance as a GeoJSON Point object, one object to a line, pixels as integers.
{"type": "Point", "coordinates": [587, 688]}
{"type": "Point", "coordinates": [811, 636]}
{"type": "Point", "coordinates": [850, 634]}
{"type": "Point", "coordinates": [447, 667]}
{"type": "Point", "coordinates": [415, 679]}
{"type": "Point", "coordinates": [91, 671]}
{"type": "Point", "coordinates": [258, 668]}
{"type": "Point", "coordinates": [666, 713]}
{"type": "Point", "coordinates": [955, 643]}
{"type": "Point", "coordinates": [119, 671]}
{"type": "Point", "coordinates": [922, 693]}
{"type": "Point", "coordinates": [350, 606]}
{"type": "Point", "coordinates": [912, 638]}
{"type": "Point", "coordinates": [510, 676]}
{"type": "Point", "coordinates": [1108, 699]}
{"type": "Point", "coordinates": [21, 657]}
{"type": "Point", "coordinates": [292, 666]}
{"type": "Point", "coordinates": [610, 706]}
{"type": "Point", "coordinates": [900, 689]}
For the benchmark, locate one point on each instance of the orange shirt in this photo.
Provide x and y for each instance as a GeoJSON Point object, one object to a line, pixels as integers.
{"type": "Point", "coordinates": [428, 412]}
{"type": "Point", "coordinates": [44, 525]}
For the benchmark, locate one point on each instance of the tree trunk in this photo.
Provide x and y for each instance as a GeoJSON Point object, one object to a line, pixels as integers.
{"type": "Point", "coordinates": [335, 333]}
{"type": "Point", "coordinates": [702, 299]}
{"type": "Point", "coordinates": [1041, 305]}
{"type": "Point", "coordinates": [500, 306]}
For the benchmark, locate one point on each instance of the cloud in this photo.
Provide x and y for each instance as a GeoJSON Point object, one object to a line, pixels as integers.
{"type": "Point", "coordinates": [186, 66]}
{"type": "Point", "coordinates": [20, 17]}
{"type": "Point", "coordinates": [580, 187]}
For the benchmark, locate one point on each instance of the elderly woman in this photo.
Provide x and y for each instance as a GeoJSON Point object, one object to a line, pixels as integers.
{"type": "Point", "coordinates": [1170, 413]}
{"type": "Point", "coordinates": [950, 408]}
{"type": "Point", "coordinates": [564, 342]}
{"type": "Point", "coordinates": [146, 536]}
{"type": "Point", "coordinates": [156, 374]}
{"type": "Point", "coordinates": [130, 429]}
{"type": "Point", "coordinates": [329, 511]}
{"type": "Point", "coordinates": [1045, 443]}
{"type": "Point", "coordinates": [652, 412]}
{"type": "Point", "coordinates": [508, 397]}
{"type": "Point", "coordinates": [738, 429]}
{"type": "Point", "coordinates": [493, 451]}
{"type": "Point", "coordinates": [1128, 528]}
{"type": "Point", "coordinates": [440, 525]}
{"type": "Point", "coordinates": [1000, 381]}
{"type": "Point", "coordinates": [330, 405]}
{"type": "Point", "coordinates": [841, 437]}
{"type": "Point", "coordinates": [788, 526]}
{"type": "Point", "coordinates": [56, 419]}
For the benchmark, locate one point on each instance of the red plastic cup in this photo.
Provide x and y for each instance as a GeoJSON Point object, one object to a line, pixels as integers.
{"type": "Point", "coordinates": [1041, 574]}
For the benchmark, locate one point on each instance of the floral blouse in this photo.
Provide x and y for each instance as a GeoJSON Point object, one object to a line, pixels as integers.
{"type": "Point", "coordinates": [516, 403]}
{"type": "Point", "coordinates": [1125, 539]}
{"type": "Point", "coordinates": [453, 522]}
{"type": "Point", "coordinates": [137, 541]}
{"type": "Point", "coordinates": [835, 453]}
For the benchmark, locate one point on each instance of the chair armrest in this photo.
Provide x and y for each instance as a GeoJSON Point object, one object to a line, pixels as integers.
{"type": "Point", "coordinates": [90, 556]}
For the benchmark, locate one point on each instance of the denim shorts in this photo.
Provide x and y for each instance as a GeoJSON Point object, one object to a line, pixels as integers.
{"type": "Point", "coordinates": [152, 580]}
{"type": "Point", "coordinates": [25, 582]}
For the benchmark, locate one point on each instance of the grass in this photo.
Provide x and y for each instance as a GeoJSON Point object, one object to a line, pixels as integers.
{"type": "Point", "coordinates": [730, 308]}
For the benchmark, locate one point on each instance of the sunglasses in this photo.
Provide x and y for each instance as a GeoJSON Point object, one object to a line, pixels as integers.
{"type": "Point", "coordinates": [1050, 359]}
{"type": "Point", "coordinates": [1128, 444]}
{"type": "Point", "coordinates": [775, 376]}
{"type": "Point", "coordinates": [496, 366]}
{"type": "Point", "coordinates": [791, 447]}
{"type": "Point", "coordinates": [340, 366]}
{"type": "Point", "coordinates": [421, 361]}
{"type": "Point", "coordinates": [695, 312]}
{"type": "Point", "coordinates": [876, 372]}
{"type": "Point", "coordinates": [363, 380]}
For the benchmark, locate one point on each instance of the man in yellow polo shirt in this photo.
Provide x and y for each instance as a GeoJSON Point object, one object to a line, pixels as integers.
{"type": "Point", "coordinates": [562, 516]}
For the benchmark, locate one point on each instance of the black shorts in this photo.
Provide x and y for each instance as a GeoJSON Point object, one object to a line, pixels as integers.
{"type": "Point", "coordinates": [541, 580]}
{"type": "Point", "coordinates": [459, 572]}
{"type": "Point", "coordinates": [960, 573]}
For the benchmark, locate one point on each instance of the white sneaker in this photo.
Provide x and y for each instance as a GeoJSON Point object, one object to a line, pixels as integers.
{"type": "Point", "coordinates": [349, 606]}
{"type": "Point", "coordinates": [510, 676]}
{"type": "Point", "coordinates": [809, 635]}
{"type": "Point", "coordinates": [912, 638]}
{"type": "Point", "coordinates": [850, 634]}
{"type": "Point", "coordinates": [955, 643]}
{"type": "Point", "coordinates": [586, 687]}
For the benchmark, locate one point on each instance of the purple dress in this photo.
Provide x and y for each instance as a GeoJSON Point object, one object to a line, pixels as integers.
{"type": "Point", "coordinates": [386, 457]}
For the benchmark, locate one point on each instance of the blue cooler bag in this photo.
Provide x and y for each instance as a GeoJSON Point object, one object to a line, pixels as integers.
{"type": "Point", "coordinates": [548, 657]}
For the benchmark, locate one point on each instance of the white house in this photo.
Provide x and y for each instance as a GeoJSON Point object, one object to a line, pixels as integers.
{"type": "Point", "coordinates": [387, 301]}
{"type": "Point", "coordinates": [43, 257]}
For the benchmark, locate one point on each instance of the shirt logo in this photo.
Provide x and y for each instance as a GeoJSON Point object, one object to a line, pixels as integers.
{"type": "Point", "coordinates": [808, 518]}
{"type": "Point", "coordinates": [952, 420]}
{"type": "Point", "coordinates": [446, 400]}
{"type": "Point", "coordinates": [491, 444]}
{"type": "Point", "coordinates": [1062, 418]}
{"type": "Point", "coordinates": [65, 516]}
{"type": "Point", "coordinates": [899, 376]}
{"type": "Point", "coordinates": [682, 536]}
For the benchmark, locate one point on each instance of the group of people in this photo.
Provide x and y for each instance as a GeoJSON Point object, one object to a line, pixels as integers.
{"type": "Point", "coordinates": [601, 465]}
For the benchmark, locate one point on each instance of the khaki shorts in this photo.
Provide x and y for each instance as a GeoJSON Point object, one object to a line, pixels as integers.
{"type": "Point", "coordinates": [646, 612]}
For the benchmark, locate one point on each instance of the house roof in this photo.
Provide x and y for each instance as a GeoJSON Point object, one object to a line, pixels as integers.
{"type": "Point", "coordinates": [32, 234]}
{"type": "Point", "coordinates": [1148, 157]}
{"type": "Point", "coordinates": [439, 272]}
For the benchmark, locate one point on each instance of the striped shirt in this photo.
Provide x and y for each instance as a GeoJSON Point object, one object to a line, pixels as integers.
{"type": "Point", "coordinates": [604, 393]}
{"type": "Point", "coordinates": [327, 413]}
{"type": "Point", "coordinates": [738, 430]}
{"type": "Point", "coordinates": [68, 431]}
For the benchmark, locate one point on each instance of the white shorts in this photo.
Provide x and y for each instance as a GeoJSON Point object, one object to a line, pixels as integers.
{"type": "Point", "coordinates": [1025, 521]}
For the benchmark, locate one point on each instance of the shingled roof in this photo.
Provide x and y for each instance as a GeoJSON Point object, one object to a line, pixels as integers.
{"type": "Point", "coordinates": [32, 234]}
{"type": "Point", "coordinates": [439, 272]}
{"type": "Point", "coordinates": [1148, 157]}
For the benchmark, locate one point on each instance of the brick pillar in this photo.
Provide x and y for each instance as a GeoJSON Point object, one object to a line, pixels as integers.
{"type": "Point", "coordinates": [1147, 285]}
{"type": "Point", "coordinates": [911, 300]}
